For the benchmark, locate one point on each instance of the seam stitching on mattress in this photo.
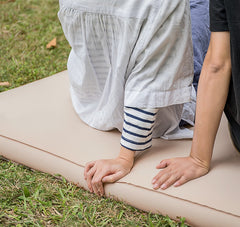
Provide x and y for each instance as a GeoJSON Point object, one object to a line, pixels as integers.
{"type": "Point", "coordinates": [121, 182]}
{"type": "Point", "coordinates": [41, 150]}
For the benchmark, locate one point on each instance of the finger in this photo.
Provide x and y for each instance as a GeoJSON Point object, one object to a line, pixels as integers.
{"type": "Point", "coordinates": [97, 183]}
{"type": "Point", "coordinates": [163, 164]}
{"type": "Point", "coordinates": [98, 188]}
{"type": "Point", "coordinates": [113, 177]}
{"type": "Point", "coordinates": [101, 189]}
{"type": "Point", "coordinates": [160, 179]}
{"type": "Point", "coordinates": [158, 176]}
{"type": "Point", "coordinates": [89, 176]}
{"type": "Point", "coordinates": [181, 181]}
{"type": "Point", "coordinates": [88, 167]}
{"type": "Point", "coordinates": [169, 182]}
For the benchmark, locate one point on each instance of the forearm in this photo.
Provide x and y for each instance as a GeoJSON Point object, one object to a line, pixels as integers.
{"type": "Point", "coordinates": [212, 95]}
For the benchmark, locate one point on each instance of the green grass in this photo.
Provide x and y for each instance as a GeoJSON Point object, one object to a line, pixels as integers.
{"type": "Point", "coordinates": [32, 198]}
{"type": "Point", "coordinates": [25, 29]}
{"type": "Point", "coordinates": [29, 197]}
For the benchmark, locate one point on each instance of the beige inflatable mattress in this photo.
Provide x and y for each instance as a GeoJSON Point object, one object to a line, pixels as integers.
{"type": "Point", "coordinates": [39, 128]}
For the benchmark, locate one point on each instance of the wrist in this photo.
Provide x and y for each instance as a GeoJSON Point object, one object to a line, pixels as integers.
{"type": "Point", "coordinates": [201, 152]}
{"type": "Point", "coordinates": [200, 162]}
{"type": "Point", "coordinates": [126, 154]}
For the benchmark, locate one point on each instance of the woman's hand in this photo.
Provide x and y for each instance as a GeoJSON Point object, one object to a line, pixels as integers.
{"type": "Point", "coordinates": [178, 171]}
{"type": "Point", "coordinates": [105, 171]}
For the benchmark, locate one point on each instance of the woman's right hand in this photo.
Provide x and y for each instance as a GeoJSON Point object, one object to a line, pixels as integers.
{"type": "Point", "coordinates": [105, 171]}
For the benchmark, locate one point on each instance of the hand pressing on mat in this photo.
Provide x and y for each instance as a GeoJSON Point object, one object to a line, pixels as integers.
{"type": "Point", "coordinates": [178, 171]}
{"type": "Point", "coordinates": [98, 172]}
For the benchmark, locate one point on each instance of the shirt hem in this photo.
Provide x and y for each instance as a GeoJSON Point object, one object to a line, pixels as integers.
{"type": "Point", "coordinates": [140, 99]}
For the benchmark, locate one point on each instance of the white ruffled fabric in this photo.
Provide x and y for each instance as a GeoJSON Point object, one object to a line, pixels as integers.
{"type": "Point", "coordinates": [129, 53]}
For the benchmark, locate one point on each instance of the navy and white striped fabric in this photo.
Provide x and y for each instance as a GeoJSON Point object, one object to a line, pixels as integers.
{"type": "Point", "coordinates": [137, 128]}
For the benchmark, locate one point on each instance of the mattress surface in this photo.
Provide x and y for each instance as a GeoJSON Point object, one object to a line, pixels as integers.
{"type": "Point", "coordinates": [39, 128]}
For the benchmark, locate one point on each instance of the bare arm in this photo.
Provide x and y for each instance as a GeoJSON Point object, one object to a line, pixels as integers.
{"type": "Point", "coordinates": [212, 96]}
{"type": "Point", "coordinates": [211, 99]}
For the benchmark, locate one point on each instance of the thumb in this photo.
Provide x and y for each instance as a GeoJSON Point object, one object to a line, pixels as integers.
{"type": "Point", "coordinates": [113, 177]}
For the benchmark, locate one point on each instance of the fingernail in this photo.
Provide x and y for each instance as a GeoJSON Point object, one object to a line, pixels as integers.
{"type": "Point", "coordinates": [155, 186]}
{"type": "Point", "coordinates": [163, 186]}
{"type": "Point", "coordinates": [154, 181]}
